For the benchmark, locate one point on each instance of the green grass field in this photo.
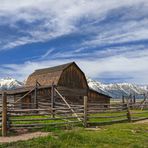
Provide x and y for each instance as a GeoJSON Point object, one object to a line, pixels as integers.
{"type": "Point", "coordinates": [123, 135]}
{"type": "Point", "coordinates": [99, 118]}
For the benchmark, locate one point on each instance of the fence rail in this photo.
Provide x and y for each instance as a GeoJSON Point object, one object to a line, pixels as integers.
{"type": "Point", "coordinates": [60, 114]}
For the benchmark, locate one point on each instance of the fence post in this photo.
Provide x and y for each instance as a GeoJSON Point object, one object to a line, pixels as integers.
{"type": "Point", "coordinates": [35, 96]}
{"type": "Point", "coordinates": [4, 114]}
{"type": "Point", "coordinates": [85, 110]}
{"type": "Point", "coordinates": [129, 113]}
{"type": "Point", "coordinates": [134, 99]}
{"type": "Point", "coordinates": [52, 100]}
{"type": "Point", "coordinates": [123, 101]}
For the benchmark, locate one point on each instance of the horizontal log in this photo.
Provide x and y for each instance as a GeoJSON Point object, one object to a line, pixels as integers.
{"type": "Point", "coordinates": [142, 112]}
{"type": "Point", "coordinates": [43, 106]}
{"type": "Point", "coordinates": [20, 103]}
{"type": "Point", "coordinates": [35, 114]}
{"type": "Point", "coordinates": [100, 110]}
{"type": "Point", "coordinates": [44, 103]}
{"type": "Point", "coordinates": [68, 111]}
{"type": "Point", "coordinates": [74, 105]}
{"type": "Point", "coordinates": [110, 108]}
{"type": "Point", "coordinates": [107, 122]}
{"type": "Point", "coordinates": [91, 117]}
{"type": "Point", "coordinates": [94, 112]}
{"type": "Point", "coordinates": [104, 104]}
{"type": "Point", "coordinates": [137, 103]}
{"type": "Point", "coordinates": [24, 105]}
{"type": "Point", "coordinates": [29, 110]}
{"type": "Point", "coordinates": [62, 108]}
{"type": "Point", "coordinates": [139, 118]}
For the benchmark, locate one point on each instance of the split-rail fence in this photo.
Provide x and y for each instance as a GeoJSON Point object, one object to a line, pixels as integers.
{"type": "Point", "coordinates": [65, 114]}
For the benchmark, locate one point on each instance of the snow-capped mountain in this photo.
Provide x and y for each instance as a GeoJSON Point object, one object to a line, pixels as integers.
{"type": "Point", "coordinates": [98, 86]}
{"type": "Point", "coordinates": [117, 90]}
{"type": "Point", "coordinates": [9, 83]}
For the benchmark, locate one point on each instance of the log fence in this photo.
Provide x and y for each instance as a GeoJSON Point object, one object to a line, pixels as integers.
{"type": "Point", "coordinates": [62, 113]}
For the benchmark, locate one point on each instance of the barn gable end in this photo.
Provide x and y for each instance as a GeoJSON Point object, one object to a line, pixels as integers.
{"type": "Point", "coordinates": [67, 75]}
{"type": "Point", "coordinates": [73, 77]}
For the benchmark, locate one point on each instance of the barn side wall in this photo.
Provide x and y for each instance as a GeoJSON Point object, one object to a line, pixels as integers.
{"type": "Point", "coordinates": [74, 85]}
{"type": "Point", "coordinates": [94, 97]}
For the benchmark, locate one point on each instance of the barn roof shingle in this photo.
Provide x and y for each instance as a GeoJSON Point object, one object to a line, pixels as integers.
{"type": "Point", "coordinates": [51, 69]}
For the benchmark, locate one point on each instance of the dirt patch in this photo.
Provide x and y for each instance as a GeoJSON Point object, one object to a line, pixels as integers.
{"type": "Point", "coordinates": [142, 121]}
{"type": "Point", "coordinates": [23, 137]}
{"type": "Point", "coordinates": [93, 129]}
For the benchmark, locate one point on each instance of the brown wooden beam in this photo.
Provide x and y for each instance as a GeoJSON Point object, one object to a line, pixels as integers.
{"type": "Point", "coordinates": [4, 114]}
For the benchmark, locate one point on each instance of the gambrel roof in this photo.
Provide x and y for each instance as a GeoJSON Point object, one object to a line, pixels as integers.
{"type": "Point", "coordinates": [48, 76]}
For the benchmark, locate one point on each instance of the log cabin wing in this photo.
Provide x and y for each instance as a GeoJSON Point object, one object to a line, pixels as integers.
{"type": "Point", "coordinates": [97, 97]}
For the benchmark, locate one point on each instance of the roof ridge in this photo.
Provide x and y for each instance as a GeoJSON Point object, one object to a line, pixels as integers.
{"type": "Point", "coordinates": [52, 69]}
{"type": "Point", "coordinates": [66, 64]}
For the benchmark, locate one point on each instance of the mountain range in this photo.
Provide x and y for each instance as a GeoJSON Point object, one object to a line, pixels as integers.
{"type": "Point", "coordinates": [10, 83]}
{"type": "Point", "coordinates": [115, 90]}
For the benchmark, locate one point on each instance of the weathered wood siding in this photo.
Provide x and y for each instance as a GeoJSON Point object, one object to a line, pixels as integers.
{"type": "Point", "coordinates": [94, 97]}
{"type": "Point", "coordinates": [44, 98]}
{"type": "Point", "coordinates": [73, 77]}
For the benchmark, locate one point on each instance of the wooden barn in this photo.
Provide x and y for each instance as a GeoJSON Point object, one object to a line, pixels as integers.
{"type": "Point", "coordinates": [68, 79]}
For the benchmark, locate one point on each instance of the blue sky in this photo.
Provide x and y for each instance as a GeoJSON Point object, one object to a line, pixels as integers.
{"type": "Point", "coordinates": [108, 39]}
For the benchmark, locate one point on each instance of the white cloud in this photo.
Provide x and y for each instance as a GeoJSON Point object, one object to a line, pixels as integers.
{"type": "Point", "coordinates": [61, 17]}
{"type": "Point", "coordinates": [122, 66]}
{"type": "Point", "coordinates": [121, 32]}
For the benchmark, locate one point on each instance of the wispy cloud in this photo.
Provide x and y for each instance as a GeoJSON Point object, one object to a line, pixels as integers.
{"type": "Point", "coordinates": [113, 42]}
{"type": "Point", "coordinates": [56, 19]}
{"type": "Point", "coordinates": [122, 66]}
{"type": "Point", "coordinates": [47, 53]}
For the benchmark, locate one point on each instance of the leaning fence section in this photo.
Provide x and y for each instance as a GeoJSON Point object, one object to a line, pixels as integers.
{"type": "Point", "coordinates": [37, 118]}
